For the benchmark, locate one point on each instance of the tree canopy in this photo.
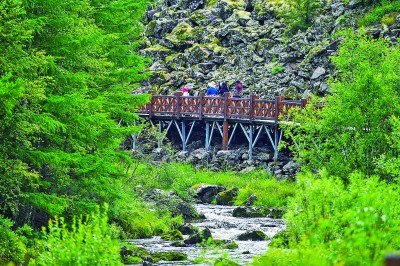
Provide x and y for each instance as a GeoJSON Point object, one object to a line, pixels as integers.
{"type": "Point", "coordinates": [67, 70]}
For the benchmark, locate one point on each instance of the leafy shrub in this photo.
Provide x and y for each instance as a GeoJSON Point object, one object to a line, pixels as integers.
{"type": "Point", "coordinates": [12, 246]}
{"type": "Point", "coordinates": [344, 225]}
{"type": "Point", "coordinates": [277, 69]}
{"type": "Point", "coordinates": [87, 241]}
{"type": "Point", "coordinates": [381, 11]}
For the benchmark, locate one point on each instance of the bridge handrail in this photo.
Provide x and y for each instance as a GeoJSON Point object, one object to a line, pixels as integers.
{"type": "Point", "coordinates": [227, 107]}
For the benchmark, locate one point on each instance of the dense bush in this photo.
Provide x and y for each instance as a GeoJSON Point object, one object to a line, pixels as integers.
{"type": "Point", "coordinates": [12, 245]}
{"type": "Point", "coordinates": [86, 241]}
{"type": "Point", "coordinates": [351, 131]}
{"type": "Point", "coordinates": [330, 223]}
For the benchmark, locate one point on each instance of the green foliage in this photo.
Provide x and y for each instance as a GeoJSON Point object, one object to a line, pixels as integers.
{"type": "Point", "coordinates": [386, 10]}
{"type": "Point", "coordinates": [67, 70]}
{"type": "Point", "coordinates": [87, 241]}
{"type": "Point", "coordinates": [344, 225]}
{"type": "Point", "coordinates": [298, 14]}
{"type": "Point", "coordinates": [350, 132]}
{"type": "Point", "coordinates": [182, 179]}
{"type": "Point", "coordinates": [12, 245]}
{"type": "Point", "coordinates": [277, 69]}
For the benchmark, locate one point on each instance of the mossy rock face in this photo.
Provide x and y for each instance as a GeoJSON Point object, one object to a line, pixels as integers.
{"type": "Point", "coordinates": [188, 229]}
{"type": "Point", "coordinates": [199, 238]}
{"type": "Point", "coordinates": [255, 235]}
{"type": "Point", "coordinates": [239, 16]}
{"type": "Point", "coordinates": [225, 244]}
{"type": "Point", "coordinates": [132, 254]}
{"type": "Point", "coordinates": [178, 244]}
{"type": "Point", "coordinates": [227, 197]}
{"type": "Point", "coordinates": [169, 256]}
{"type": "Point", "coordinates": [225, 262]}
{"type": "Point", "coordinates": [201, 18]}
{"type": "Point", "coordinates": [250, 212]}
{"type": "Point", "coordinates": [172, 235]}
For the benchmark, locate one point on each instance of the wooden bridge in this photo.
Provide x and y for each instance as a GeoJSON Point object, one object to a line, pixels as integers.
{"type": "Point", "coordinates": [223, 113]}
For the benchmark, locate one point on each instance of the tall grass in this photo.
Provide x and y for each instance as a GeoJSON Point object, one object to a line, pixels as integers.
{"type": "Point", "coordinates": [330, 223]}
{"type": "Point", "coordinates": [184, 178]}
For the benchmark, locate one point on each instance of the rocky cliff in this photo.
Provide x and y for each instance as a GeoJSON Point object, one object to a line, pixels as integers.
{"type": "Point", "coordinates": [197, 41]}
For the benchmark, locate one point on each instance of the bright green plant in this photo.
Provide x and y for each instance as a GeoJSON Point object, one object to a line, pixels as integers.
{"type": "Point", "coordinates": [344, 225]}
{"type": "Point", "coordinates": [350, 131]}
{"type": "Point", "coordinates": [277, 69]}
{"type": "Point", "coordinates": [12, 245]}
{"type": "Point", "coordinates": [86, 241]}
{"type": "Point", "coordinates": [385, 11]}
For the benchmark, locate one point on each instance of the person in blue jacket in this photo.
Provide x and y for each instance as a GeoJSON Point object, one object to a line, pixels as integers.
{"type": "Point", "coordinates": [212, 90]}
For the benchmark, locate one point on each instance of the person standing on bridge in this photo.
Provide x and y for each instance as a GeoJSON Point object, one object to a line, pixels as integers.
{"type": "Point", "coordinates": [185, 91]}
{"type": "Point", "coordinates": [223, 88]}
{"type": "Point", "coordinates": [212, 90]}
{"type": "Point", "coordinates": [238, 91]}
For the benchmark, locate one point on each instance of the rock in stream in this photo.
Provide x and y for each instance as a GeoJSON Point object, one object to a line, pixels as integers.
{"type": "Point", "coordinates": [223, 226]}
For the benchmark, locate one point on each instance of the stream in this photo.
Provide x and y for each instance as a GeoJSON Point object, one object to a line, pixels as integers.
{"type": "Point", "coordinates": [223, 226]}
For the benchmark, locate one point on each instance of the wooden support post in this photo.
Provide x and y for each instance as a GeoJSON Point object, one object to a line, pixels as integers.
{"type": "Point", "coordinates": [251, 142]}
{"type": "Point", "coordinates": [226, 136]}
{"type": "Point", "coordinates": [177, 99]}
{"type": "Point", "coordinates": [278, 107]}
{"type": "Point", "coordinates": [151, 104]}
{"type": "Point", "coordinates": [304, 102]}
{"type": "Point", "coordinates": [226, 96]}
{"type": "Point", "coordinates": [252, 103]}
{"type": "Point", "coordinates": [183, 135]}
{"type": "Point", "coordinates": [201, 99]}
{"type": "Point", "coordinates": [159, 131]}
{"type": "Point", "coordinates": [207, 135]}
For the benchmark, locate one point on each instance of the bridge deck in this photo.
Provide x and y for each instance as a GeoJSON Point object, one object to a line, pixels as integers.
{"type": "Point", "coordinates": [251, 110]}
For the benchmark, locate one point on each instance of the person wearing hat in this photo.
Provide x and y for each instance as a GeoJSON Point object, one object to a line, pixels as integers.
{"type": "Point", "coordinates": [185, 91]}
{"type": "Point", "coordinates": [212, 89]}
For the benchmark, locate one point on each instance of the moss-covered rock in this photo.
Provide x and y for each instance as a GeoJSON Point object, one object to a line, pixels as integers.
{"type": "Point", "coordinates": [201, 237]}
{"type": "Point", "coordinates": [132, 254]}
{"type": "Point", "coordinates": [225, 244]}
{"type": "Point", "coordinates": [227, 197]}
{"type": "Point", "coordinates": [172, 235]}
{"type": "Point", "coordinates": [250, 212]}
{"type": "Point", "coordinates": [255, 235]}
{"type": "Point", "coordinates": [169, 256]}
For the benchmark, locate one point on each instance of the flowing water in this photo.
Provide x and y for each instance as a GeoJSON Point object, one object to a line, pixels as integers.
{"type": "Point", "coordinates": [223, 226]}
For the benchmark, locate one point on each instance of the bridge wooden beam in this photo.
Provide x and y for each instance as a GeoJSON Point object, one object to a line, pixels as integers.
{"type": "Point", "coordinates": [225, 138]}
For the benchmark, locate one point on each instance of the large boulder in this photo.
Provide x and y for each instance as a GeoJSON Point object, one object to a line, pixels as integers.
{"type": "Point", "coordinates": [198, 238]}
{"type": "Point", "coordinates": [255, 235]}
{"type": "Point", "coordinates": [207, 193]}
{"type": "Point", "coordinates": [227, 197]}
{"type": "Point", "coordinates": [171, 202]}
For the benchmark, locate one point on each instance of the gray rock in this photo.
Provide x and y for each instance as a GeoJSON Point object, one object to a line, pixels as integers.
{"type": "Point", "coordinates": [255, 235]}
{"type": "Point", "coordinates": [198, 238]}
{"type": "Point", "coordinates": [318, 72]}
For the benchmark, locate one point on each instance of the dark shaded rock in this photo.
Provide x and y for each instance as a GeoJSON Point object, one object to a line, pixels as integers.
{"type": "Point", "coordinates": [225, 244]}
{"type": "Point", "coordinates": [171, 202]}
{"type": "Point", "coordinates": [276, 213]}
{"type": "Point", "coordinates": [198, 238]}
{"type": "Point", "coordinates": [227, 197]}
{"type": "Point", "coordinates": [207, 193]}
{"type": "Point", "coordinates": [250, 200]}
{"type": "Point", "coordinates": [255, 235]}
{"type": "Point", "coordinates": [178, 244]}
{"type": "Point", "coordinates": [250, 212]}
{"type": "Point", "coordinates": [188, 229]}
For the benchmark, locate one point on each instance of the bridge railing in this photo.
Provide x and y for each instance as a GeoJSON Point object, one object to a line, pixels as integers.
{"type": "Point", "coordinates": [223, 107]}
